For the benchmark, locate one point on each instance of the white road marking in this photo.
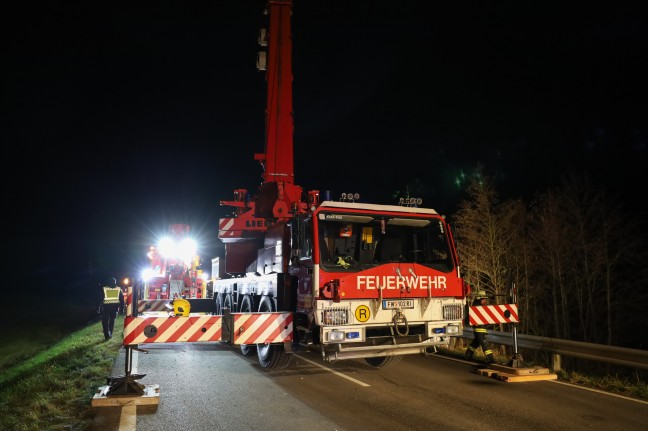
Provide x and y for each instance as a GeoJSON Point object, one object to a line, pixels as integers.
{"type": "Point", "coordinates": [598, 391]}
{"type": "Point", "coordinates": [356, 381]}
{"type": "Point", "coordinates": [128, 418]}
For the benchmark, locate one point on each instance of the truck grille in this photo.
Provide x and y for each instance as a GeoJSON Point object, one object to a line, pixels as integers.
{"type": "Point", "coordinates": [453, 312]}
{"type": "Point", "coordinates": [335, 316]}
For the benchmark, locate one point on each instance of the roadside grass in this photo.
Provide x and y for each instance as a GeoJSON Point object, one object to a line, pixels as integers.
{"type": "Point", "coordinates": [51, 387]}
{"type": "Point", "coordinates": [633, 388]}
{"type": "Point", "coordinates": [25, 343]}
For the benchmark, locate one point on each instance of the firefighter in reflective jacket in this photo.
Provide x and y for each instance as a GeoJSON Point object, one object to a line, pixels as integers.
{"type": "Point", "coordinates": [112, 302]}
{"type": "Point", "coordinates": [479, 332]}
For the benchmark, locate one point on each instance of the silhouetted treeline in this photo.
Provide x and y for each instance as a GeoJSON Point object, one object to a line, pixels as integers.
{"type": "Point", "coordinates": [575, 255]}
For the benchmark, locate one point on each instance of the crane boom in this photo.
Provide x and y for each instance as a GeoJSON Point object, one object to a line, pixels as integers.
{"type": "Point", "coordinates": [278, 157]}
{"type": "Point", "coordinates": [278, 198]}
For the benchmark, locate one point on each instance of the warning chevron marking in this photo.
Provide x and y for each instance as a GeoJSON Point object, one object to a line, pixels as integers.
{"type": "Point", "coordinates": [138, 330]}
{"type": "Point", "coordinates": [262, 328]}
{"type": "Point", "coordinates": [491, 314]}
{"type": "Point", "coordinates": [152, 305]}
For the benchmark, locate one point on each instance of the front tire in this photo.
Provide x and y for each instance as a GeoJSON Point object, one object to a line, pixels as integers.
{"type": "Point", "coordinates": [271, 355]}
{"type": "Point", "coordinates": [383, 361]}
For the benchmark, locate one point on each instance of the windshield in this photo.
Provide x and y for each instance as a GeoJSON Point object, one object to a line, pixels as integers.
{"type": "Point", "coordinates": [354, 242]}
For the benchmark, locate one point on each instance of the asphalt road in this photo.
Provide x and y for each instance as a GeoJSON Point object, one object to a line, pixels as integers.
{"type": "Point", "coordinates": [214, 387]}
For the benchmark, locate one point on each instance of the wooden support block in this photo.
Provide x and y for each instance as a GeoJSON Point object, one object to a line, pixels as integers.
{"type": "Point", "coordinates": [485, 372]}
{"type": "Point", "coordinates": [150, 397]}
{"type": "Point", "coordinates": [518, 374]}
{"type": "Point", "coordinates": [520, 371]}
{"type": "Point", "coordinates": [505, 377]}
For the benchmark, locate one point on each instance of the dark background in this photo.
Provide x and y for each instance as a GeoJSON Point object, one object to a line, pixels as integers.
{"type": "Point", "coordinates": [122, 118]}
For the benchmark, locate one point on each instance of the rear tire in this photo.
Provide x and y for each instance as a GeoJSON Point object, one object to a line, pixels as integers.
{"type": "Point", "coordinates": [246, 307]}
{"type": "Point", "coordinates": [383, 361]}
{"type": "Point", "coordinates": [271, 355]}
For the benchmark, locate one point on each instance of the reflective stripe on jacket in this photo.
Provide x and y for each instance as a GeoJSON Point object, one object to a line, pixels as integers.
{"type": "Point", "coordinates": [111, 295]}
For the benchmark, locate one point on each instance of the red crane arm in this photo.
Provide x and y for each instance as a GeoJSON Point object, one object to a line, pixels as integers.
{"type": "Point", "coordinates": [278, 158]}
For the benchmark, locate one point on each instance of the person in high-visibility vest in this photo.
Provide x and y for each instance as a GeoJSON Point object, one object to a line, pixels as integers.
{"type": "Point", "coordinates": [112, 302]}
{"type": "Point", "coordinates": [479, 332]}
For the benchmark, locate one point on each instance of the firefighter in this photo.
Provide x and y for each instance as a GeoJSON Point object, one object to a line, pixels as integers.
{"type": "Point", "coordinates": [479, 332]}
{"type": "Point", "coordinates": [112, 302]}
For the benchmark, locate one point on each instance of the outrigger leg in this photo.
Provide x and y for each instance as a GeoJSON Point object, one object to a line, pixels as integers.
{"type": "Point", "coordinates": [126, 384]}
{"type": "Point", "coordinates": [516, 361]}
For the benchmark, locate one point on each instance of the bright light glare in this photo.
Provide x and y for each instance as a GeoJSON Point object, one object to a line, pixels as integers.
{"type": "Point", "coordinates": [187, 249]}
{"type": "Point", "coordinates": [167, 247]}
{"type": "Point", "coordinates": [147, 274]}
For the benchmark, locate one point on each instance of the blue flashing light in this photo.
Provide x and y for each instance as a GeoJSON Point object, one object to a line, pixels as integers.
{"type": "Point", "coordinates": [353, 335]}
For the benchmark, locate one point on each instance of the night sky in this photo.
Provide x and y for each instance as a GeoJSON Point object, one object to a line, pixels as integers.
{"type": "Point", "coordinates": [122, 118]}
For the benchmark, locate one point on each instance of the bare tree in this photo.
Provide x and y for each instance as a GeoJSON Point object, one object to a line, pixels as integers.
{"type": "Point", "coordinates": [478, 240]}
{"type": "Point", "coordinates": [521, 263]}
{"type": "Point", "coordinates": [485, 237]}
{"type": "Point", "coordinates": [590, 247]}
{"type": "Point", "coordinates": [582, 210]}
{"type": "Point", "coordinates": [576, 257]}
{"type": "Point", "coordinates": [624, 268]}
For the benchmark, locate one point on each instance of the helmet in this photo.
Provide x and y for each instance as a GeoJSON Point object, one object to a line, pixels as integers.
{"type": "Point", "coordinates": [181, 307]}
{"type": "Point", "coordinates": [110, 282]}
{"type": "Point", "coordinates": [481, 294]}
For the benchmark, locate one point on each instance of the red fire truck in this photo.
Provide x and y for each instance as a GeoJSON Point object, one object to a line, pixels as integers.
{"type": "Point", "coordinates": [306, 270]}
{"type": "Point", "coordinates": [174, 267]}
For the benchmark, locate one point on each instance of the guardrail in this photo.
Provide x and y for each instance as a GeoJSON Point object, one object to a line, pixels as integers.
{"type": "Point", "coordinates": [633, 358]}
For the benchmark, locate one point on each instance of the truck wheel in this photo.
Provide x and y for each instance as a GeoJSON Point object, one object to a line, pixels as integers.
{"type": "Point", "coordinates": [271, 355]}
{"type": "Point", "coordinates": [246, 307]}
{"type": "Point", "coordinates": [383, 361]}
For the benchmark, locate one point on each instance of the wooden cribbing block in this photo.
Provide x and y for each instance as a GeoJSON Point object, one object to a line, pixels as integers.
{"type": "Point", "coordinates": [151, 397]}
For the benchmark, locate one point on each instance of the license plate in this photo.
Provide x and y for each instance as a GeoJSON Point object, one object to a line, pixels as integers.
{"type": "Point", "coordinates": [392, 304]}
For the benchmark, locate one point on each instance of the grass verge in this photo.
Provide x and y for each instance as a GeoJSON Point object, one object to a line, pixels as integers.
{"type": "Point", "coordinates": [53, 389]}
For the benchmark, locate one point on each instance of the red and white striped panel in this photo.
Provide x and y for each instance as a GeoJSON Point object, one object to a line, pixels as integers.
{"type": "Point", "coordinates": [152, 305]}
{"type": "Point", "coordinates": [139, 330]}
{"type": "Point", "coordinates": [225, 227]}
{"type": "Point", "coordinates": [262, 328]}
{"type": "Point", "coordinates": [491, 314]}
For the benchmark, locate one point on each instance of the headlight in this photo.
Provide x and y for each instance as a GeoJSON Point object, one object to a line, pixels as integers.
{"type": "Point", "coordinates": [336, 336]}
{"type": "Point", "coordinates": [452, 329]}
